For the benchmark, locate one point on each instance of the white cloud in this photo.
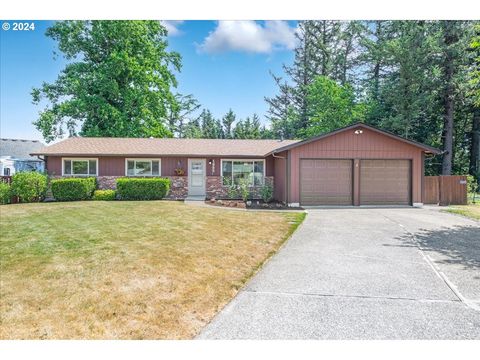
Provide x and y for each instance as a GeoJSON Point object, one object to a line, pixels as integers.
{"type": "Point", "coordinates": [172, 26]}
{"type": "Point", "coordinates": [249, 36]}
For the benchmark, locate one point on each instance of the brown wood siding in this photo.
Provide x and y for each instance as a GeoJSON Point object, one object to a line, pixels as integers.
{"type": "Point", "coordinates": [279, 182]}
{"type": "Point", "coordinates": [385, 182]}
{"type": "Point", "coordinates": [169, 164]}
{"type": "Point", "coordinates": [270, 166]}
{"type": "Point", "coordinates": [53, 165]}
{"type": "Point", "coordinates": [347, 145]}
{"type": "Point", "coordinates": [111, 166]}
{"type": "Point", "coordinates": [326, 182]}
{"type": "Point", "coordinates": [115, 166]}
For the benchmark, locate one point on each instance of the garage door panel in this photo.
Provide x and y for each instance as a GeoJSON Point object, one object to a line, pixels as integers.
{"type": "Point", "coordinates": [326, 182]}
{"type": "Point", "coordinates": [385, 182]}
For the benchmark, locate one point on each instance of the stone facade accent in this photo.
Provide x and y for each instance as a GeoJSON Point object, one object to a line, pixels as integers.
{"type": "Point", "coordinates": [178, 187]}
{"type": "Point", "coordinates": [216, 190]}
{"type": "Point", "coordinates": [107, 182]}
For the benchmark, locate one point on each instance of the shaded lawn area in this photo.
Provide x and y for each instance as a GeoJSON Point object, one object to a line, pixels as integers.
{"type": "Point", "coordinates": [127, 270]}
{"type": "Point", "coordinates": [472, 211]}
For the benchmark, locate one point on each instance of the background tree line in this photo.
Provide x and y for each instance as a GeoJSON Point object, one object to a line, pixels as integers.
{"type": "Point", "coordinates": [418, 79]}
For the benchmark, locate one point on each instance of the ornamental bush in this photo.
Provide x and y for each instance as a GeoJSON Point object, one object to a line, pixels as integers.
{"type": "Point", "coordinates": [266, 192]}
{"type": "Point", "coordinates": [5, 193]}
{"type": "Point", "coordinates": [29, 186]}
{"type": "Point", "coordinates": [105, 195]}
{"type": "Point", "coordinates": [244, 189]}
{"type": "Point", "coordinates": [142, 188]}
{"type": "Point", "coordinates": [72, 189]}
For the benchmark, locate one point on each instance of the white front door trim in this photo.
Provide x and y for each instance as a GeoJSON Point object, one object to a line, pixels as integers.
{"type": "Point", "coordinates": [197, 177]}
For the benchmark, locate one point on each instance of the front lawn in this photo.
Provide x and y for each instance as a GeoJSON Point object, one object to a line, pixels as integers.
{"type": "Point", "coordinates": [472, 211]}
{"type": "Point", "coordinates": [126, 270]}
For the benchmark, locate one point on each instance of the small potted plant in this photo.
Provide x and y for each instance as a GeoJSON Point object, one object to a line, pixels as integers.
{"type": "Point", "coordinates": [179, 172]}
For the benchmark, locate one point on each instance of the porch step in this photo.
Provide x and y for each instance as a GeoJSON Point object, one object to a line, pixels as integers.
{"type": "Point", "coordinates": [194, 198]}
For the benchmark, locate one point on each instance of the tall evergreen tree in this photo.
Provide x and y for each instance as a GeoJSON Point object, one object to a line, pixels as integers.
{"type": "Point", "coordinates": [227, 122]}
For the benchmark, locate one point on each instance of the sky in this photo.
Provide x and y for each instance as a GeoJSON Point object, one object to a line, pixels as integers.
{"type": "Point", "coordinates": [225, 64]}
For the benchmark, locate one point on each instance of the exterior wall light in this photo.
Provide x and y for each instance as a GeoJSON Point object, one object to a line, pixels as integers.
{"type": "Point", "coordinates": [358, 132]}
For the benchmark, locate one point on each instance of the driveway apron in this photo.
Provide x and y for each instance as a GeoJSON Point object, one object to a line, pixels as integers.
{"type": "Point", "coordinates": [364, 274]}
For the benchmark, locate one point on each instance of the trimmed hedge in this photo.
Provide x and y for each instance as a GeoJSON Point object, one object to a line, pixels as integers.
{"type": "Point", "coordinates": [105, 195]}
{"type": "Point", "coordinates": [5, 193]}
{"type": "Point", "coordinates": [29, 186]}
{"type": "Point", "coordinates": [72, 189]}
{"type": "Point", "coordinates": [142, 188]}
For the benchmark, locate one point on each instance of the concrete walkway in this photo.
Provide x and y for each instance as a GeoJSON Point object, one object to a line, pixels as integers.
{"type": "Point", "coordinates": [364, 274]}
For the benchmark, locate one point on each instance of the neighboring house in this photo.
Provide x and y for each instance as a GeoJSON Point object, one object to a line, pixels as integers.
{"type": "Point", "coordinates": [355, 165]}
{"type": "Point", "coordinates": [15, 156]}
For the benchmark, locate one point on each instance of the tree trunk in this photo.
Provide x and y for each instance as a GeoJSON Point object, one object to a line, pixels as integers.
{"type": "Point", "coordinates": [448, 71]}
{"type": "Point", "coordinates": [448, 127]}
{"type": "Point", "coordinates": [475, 145]}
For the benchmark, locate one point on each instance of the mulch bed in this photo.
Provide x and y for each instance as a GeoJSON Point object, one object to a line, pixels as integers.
{"type": "Point", "coordinates": [253, 204]}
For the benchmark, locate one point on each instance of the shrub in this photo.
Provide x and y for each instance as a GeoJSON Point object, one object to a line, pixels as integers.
{"type": "Point", "coordinates": [232, 192]}
{"type": "Point", "coordinates": [29, 186]}
{"type": "Point", "coordinates": [266, 192]}
{"type": "Point", "coordinates": [472, 187]}
{"type": "Point", "coordinates": [105, 195]}
{"type": "Point", "coordinates": [5, 193]}
{"type": "Point", "coordinates": [72, 189]}
{"type": "Point", "coordinates": [244, 189]}
{"type": "Point", "coordinates": [143, 188]}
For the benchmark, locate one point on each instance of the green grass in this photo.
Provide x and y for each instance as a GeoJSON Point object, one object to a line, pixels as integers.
{"type": "Point", "coordinates": [127, 270]}
{"type": "Point", "coordinates": [471, 211]}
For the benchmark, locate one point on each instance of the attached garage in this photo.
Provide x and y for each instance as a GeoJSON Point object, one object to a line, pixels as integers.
{"type": "Point", "coordinates": [356, 165]}
{"type": "Point", "coordinates": [326, 182]}
{"type": "Point", "coordinates": [385, 182]}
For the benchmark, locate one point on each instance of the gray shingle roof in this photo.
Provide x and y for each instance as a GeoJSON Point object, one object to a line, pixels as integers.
{"type": "Point", "coordinates": [84, 146]}
{"type": "Point", "coordinates": [19, 149]}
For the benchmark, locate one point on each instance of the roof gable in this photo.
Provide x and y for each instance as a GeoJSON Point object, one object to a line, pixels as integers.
{"type": "Point", "coordinates": [361, 126]}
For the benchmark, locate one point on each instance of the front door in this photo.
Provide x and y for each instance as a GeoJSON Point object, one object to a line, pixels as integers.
{"type": "Point", "coordinates": [196, 177]}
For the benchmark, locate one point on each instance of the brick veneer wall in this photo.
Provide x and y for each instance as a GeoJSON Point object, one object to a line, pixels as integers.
{"type": "Point", "coordinates": [179, 186]}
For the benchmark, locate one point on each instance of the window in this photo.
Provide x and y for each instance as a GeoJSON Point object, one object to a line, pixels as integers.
{"type": "Point", "coordinates": [233, 171]}
{"type": "Point", "coordinates": [80, 167]}
{"type": "Point", "coordinates": [143, 167]}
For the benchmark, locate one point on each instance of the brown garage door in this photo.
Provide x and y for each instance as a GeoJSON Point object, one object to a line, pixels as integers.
{"type": "Point", "coordinates": [326, 182]}
{"type": "Point", "coordinates": [385, 182]}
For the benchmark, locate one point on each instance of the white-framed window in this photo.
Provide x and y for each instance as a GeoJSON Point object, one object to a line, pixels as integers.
{"type": "Point", "coordinates": [79, 167]}
{"type": "Point", "coordinates": [233, 171]}
{"type": "Point", "coordinates": [143, 167]}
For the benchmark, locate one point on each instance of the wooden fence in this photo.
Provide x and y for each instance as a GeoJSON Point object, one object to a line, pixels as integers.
{"type": "Point", "coordinates": [446, 190]}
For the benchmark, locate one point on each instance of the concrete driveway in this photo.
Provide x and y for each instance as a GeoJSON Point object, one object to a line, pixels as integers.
{"type": "Point", "coordinates": [400, 273]}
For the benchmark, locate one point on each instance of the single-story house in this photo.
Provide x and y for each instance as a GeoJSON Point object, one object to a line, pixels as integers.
{"type": "Point", "coordinates": [15, 156]}
{"type": "Point", "coordinates": [355, 165]}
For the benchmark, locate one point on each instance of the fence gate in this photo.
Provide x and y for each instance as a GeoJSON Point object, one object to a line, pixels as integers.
{"type": "Point", "coordinates": [446, 190]}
